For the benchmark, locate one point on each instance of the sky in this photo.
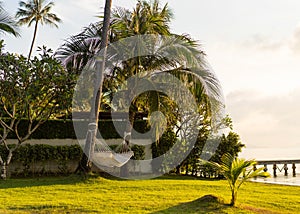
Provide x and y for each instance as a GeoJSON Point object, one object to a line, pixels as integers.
{"type": "Point", "coordinates": [253, 47]}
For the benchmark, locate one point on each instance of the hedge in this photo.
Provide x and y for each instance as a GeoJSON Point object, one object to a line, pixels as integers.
{"type": "Point", "coordinates": [43, 152]}
{"type": "Point", "coordinates": [62, 129]}
{"type": "Point", "coordinates": [28, 154]}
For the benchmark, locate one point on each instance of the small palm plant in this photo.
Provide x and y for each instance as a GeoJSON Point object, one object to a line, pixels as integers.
{"type": "Point", "coordinates": [237, 171]}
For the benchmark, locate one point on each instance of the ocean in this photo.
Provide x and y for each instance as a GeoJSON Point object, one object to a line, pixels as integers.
{"type": "Point", "coordinates": [280, 179]}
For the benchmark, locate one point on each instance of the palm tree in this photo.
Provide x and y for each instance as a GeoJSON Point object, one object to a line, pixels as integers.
{"type": "Point", "coordinates": [85, 163]}
{"type": "Point", "coordinates": [36, 11]}
{"type": "Point", "coordinates": [186, 62]}
{"type": "Point", "coordinates": [237, 171]}
{"type": "Point", "coordinates": [7, 23]}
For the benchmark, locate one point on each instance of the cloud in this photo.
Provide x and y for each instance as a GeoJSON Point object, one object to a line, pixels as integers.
{"type": "Point", "coordinates": [295, 41]}
{"type": "Point", "coordinates": [266, 121]}
{"type": "Point", "coordinates": [264, 43]}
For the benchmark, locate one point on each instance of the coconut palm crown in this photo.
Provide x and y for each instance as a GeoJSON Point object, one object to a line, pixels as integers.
{"type": "Point", "coordinates": [36, 11]}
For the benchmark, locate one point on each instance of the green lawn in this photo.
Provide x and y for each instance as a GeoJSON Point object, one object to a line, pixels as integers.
{"type": "Point", "coordinates": [163, 195]}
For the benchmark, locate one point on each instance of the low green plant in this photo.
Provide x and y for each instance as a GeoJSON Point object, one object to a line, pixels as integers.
{"type": "Point", "coordinates": [237, 171]}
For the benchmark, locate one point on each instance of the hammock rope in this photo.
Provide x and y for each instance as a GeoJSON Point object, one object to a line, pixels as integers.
{"type": "Point", "coordinates": [103, 155]}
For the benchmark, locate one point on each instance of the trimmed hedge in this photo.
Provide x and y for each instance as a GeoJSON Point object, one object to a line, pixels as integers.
{"type": "Point", "coordinates": [43, 152]}
{"type": "Point", "coordinates": [28, 154]}
{"type": "Point", "coordinates": [62, 129]}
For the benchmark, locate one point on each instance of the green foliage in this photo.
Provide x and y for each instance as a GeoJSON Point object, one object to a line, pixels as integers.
{"type": "Point", "coordinates": [166, 141]}
{"type": "Point", "coordinates": [237, 171]}
{"type": "Point", "coordinates": [139, 152]}
{"type": "Point", "coordinates": [160, 147]}
{"type": "Point", "coordinates": [30, 154]}
{"type": "Point", "coordinates": [31, 91]}
{"type": "Point", "coordinates": [230, 144]}
{"type": "Point", "coordinates": [35, 90]}
{"type": "Point", "coordinates": [177, 55]}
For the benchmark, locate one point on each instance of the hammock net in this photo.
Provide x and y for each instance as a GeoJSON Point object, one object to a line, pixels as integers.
{"type": "Point", "coordinates": [103, 155]}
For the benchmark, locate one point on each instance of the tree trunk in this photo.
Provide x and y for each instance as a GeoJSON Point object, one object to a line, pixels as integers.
{"type": "Point", "coordinates": [124, 171]}
{"type": "Point", "coordinates": [85, 164]}
{"type": "Point", "coordinates": [186, 167]}
{"type": "Point", "coordinates": [33, 40]}
{"type": "Point", "coordinates": [4, 164]}
{"type": "Point", "coordinates": [3, 171]}
{"type": "Point", "coordinates": [233, 197]}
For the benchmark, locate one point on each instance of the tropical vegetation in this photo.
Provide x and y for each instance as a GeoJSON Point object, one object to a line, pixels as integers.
{"type": "Point", "coordinates": [228, 143]}
{"type": "Point", "coordinates": [35, 90]}
{"type": "Point", "coordinates": [178, 55]}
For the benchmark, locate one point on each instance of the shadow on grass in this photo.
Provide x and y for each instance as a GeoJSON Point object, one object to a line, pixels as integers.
{"type": "Point", "coordinates": [146, 177]}
{"type": "Point", "coordinates": [76, 178]}
{"type": "Point", "coordinates": [185, 177]}
{"type": "Point", "coordinates": [205, 204]}
{"type": "Point", "coordinates": [40, 181]}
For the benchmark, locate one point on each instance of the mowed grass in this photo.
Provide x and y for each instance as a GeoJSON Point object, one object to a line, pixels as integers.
{"type": "Point", "coordinates": [170, 194]}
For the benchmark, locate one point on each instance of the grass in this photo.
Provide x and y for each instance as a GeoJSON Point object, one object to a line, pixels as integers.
{"type": "Point", "coordinates": [162, 195]}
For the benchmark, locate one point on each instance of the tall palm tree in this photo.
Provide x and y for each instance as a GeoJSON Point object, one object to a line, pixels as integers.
{"type": "Point", "coordinates": [85, 164]}
{"type": "Point", "coordinates": [186, 62]}
{"type": "Point", "coordinates": [36, 11]}
{"type": "Point", "coordinates": [237, 171]}
{"type": "Point", "coordinates": [7, 23]}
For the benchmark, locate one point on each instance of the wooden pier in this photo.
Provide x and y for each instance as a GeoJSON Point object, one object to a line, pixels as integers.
{"type": "Point", "coordinates": [275, 163]}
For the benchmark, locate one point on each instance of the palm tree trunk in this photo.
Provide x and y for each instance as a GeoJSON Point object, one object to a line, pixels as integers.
{"type": "Point", "coordinates": [233, 197]}
{"type": "Point", "coordinates": [85, 164]}
{"type": "Point", "coordinates": [124, 171]}
{"type": "Point", "coordinates": [33, 39]}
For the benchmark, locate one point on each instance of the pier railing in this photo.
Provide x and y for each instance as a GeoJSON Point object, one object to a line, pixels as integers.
{"type": "Point", "coordinates": [275, 164]}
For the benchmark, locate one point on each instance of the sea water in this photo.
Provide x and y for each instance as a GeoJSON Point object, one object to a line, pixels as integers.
{"type": "Point", "coordinates": [280, 179]}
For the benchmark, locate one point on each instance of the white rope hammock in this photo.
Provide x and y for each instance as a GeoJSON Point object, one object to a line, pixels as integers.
{"type": "Point", "coordinates": [111, 158]}
{"type": "Point", "coordinates": [103, 155]}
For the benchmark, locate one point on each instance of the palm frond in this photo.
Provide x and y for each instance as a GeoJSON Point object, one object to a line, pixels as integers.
{"type": "Point", "coordinates": [7, 23]}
